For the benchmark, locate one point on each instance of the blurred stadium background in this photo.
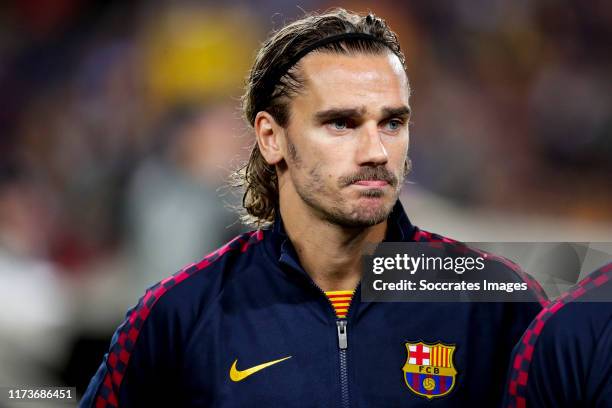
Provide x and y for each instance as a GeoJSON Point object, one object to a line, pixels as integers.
{"type": "Point", "coordinates": [120, 122]}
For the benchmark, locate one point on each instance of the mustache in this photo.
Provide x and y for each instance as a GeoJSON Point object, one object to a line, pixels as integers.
{"type": "Point", "coordinates": [369, 173]}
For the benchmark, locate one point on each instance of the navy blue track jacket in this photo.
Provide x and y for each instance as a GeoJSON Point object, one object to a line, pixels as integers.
{"type": "Point", "coordinates": [564, 359]}
{"type": "Point", "coordinates": [248, 327]}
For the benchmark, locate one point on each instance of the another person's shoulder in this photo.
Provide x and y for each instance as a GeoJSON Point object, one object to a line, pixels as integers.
{"type": "Point", "coordinates": [568, 345]}
{"type": "Point", "coordinates": [585, 309]}
{"type": "Point", "coordinates": [581, 314]}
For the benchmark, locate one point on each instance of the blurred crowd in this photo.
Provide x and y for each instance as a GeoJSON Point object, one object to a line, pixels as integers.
{"type": "Point", "coordinates": [121, 121]}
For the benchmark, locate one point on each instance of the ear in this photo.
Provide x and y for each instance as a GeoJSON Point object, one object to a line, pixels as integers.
{"type": "Point", "coordinates": [270, 137]}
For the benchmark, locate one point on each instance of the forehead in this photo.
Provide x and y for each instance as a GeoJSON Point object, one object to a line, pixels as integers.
{"type": "Point", "coordinates": [370, 80]}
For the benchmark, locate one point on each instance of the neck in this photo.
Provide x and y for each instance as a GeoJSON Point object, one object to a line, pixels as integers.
{"type": "Point", "coordinates": [329, 253]}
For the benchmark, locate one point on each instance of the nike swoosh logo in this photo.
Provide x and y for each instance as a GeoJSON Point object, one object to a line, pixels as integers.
{"type": "Point", "coordinates": [239, 375]}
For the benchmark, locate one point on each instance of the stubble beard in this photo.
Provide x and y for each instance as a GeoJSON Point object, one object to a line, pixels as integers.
{"type": "Point", "coordinates": [329, 205]}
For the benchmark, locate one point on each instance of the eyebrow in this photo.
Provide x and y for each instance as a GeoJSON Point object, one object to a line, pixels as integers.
{"type": "Point", "coordinates": [401, 111]}
{"type": "Point", "coordinates": [335, 113]}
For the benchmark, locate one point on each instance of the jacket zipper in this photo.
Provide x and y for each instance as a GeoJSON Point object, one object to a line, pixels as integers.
{"type": "Point", "coordinates": [343, 345]}
{"type": "Point", "coordinates": [341, 327]}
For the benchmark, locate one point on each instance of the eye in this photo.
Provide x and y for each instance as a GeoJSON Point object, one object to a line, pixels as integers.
{"type": "Point", "coordinates": [394, 124]}
{"type": "Point", "coordinates": [339, 124]}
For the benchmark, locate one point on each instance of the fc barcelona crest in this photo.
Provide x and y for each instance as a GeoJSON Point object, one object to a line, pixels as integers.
{"type": "Point", "coordinates": [429, 370]}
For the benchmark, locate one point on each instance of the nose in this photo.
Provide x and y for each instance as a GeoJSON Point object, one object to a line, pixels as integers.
{"type": "Point", "coordinates": [371, 150]}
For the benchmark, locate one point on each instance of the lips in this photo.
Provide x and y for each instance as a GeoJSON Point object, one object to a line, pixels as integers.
{"type": "Point", "coordinates": [372, 183]}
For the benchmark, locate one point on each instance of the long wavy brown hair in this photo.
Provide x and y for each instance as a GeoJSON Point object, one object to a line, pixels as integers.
{"type": "Point", "coordinates": [273, 81]}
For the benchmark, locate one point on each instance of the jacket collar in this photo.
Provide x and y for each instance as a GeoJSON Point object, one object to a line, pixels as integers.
{"type": "Point", "coordinates": [399, 229]}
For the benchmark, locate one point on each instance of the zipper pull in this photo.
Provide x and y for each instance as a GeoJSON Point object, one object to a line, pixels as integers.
{"type": "Point", "coordinates": [342, 335]}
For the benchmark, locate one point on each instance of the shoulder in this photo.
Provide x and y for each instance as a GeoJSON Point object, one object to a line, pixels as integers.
{"type": "Point", "coordinates": [175, 303]}
{"type": "Point", "coordinates": [154, 330]}
{"type": "Point", "coordinates": [504, 268]}
{"type": "Point", "coordinates": [198, 284]}
{"type": "Point", "coordinates": [561, 343]}
{"type": "Point", "coordinates": [581, 313]}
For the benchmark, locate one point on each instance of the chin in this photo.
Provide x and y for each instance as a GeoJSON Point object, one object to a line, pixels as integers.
{"type": "Point", "coordinates": [366, 213]}
{"type": "Point", "coordinates": [368, 220]}
{"type": "Point", "coordinates": [376, 214]}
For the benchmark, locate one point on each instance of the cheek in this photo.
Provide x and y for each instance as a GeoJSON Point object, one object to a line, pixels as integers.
{"type": "Point", "coordinates": [397, 152]}
{"type": "Point", "coordinates": [321, 173]}
{"type": "Point", "coordinates": [327, 161]}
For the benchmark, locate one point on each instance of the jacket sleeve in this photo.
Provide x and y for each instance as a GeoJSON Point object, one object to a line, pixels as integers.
{"type": "Point", "coordinates": [138, 368]}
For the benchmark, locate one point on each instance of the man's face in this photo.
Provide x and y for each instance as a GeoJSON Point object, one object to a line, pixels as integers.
{"type": "Point", "coordinates": [347, 137]}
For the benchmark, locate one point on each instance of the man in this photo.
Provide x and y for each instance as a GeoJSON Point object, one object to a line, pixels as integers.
{"type": "Point", "coordinates": [564, 359]}
{"type": "Point", "coordinates": [274, 318]}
